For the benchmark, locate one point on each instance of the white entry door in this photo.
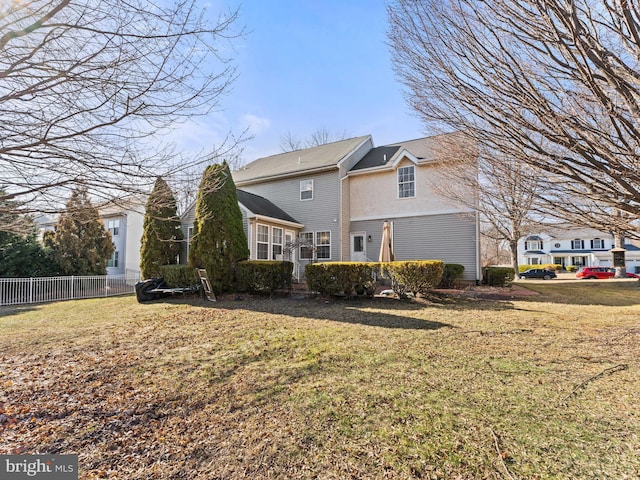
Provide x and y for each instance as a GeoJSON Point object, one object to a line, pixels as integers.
{"type": "Point", "coordinates": [359, 247]}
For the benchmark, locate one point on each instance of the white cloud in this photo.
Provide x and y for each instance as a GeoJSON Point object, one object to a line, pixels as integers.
{"type": "Point", "coordinates": [256, 124]}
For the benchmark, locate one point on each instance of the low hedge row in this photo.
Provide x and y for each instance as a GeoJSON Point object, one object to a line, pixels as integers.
{"type": "Point", "coordinates": [499, 276]}
{"type": "Point", "coordinates": [546, 266]}
{"type": "Point", "coordinates": [451, 275]}
{"type": "Point", "coordinates": [264, 275]}
{"type": "Point", "coordinates": [415, 276]}
{"type": "Point", "coordinates": [342, 277]}
{"type": "Point", "coordinates": [178, 276]}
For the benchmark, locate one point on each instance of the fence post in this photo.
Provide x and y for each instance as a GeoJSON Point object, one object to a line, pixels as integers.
{"type": "Point", "coordinates": [71, 290]}
{"type": "Point", "coordinates": [106, 285]}
{"type": "Point", "coordinates": [30, 289]}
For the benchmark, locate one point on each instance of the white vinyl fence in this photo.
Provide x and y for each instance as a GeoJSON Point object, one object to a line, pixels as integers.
{"type": "Point", "coordinates": [17, 291]}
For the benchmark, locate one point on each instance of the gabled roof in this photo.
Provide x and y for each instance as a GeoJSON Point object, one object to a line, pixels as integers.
{"type": "Point", "coordinates": [299, 161]}
{"type": "Point", "coordinates": [419, 150]}
{"type": "Point", "coordinates": [262, 207]}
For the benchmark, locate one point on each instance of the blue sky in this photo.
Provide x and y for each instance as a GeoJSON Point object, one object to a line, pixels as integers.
{"type": "Point", "coordinates": [306, 65]}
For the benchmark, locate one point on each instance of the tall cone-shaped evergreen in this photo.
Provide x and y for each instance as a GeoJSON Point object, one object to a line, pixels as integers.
{"type": "Point", "coordinates": [162, 235]}
{"type": "Point", "coordinates": [218, 241]}
{"type": "Point", "coordinates": [80, 244]}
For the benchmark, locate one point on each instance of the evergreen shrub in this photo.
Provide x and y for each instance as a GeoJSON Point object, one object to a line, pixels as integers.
{"type": "Point", "coordinates": [178, 276]}
{"type": "Point", "coordinates": [499, 276]}
{"type": "Point", "coordinates": [342, 277]}
{"type": "Point", "coordinates": [414, 276]}
{"type": "Point", "coordinates": [451, 274]}
{"type": "Point", "coordinates": [264, 275]}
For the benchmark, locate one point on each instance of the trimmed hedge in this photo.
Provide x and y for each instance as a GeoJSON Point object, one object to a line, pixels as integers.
{"type": "Point", "coordinates": [341, 277]}
{"type": "Point", "coordinates": [414, 276]}
{"type": "Point", "coordinates": [451, 274]}
{"type": "Point", "coordinates": [546, 266]}
{"type": "Point", "coordinates": [499, 276]}
{"type": "Point", "coordinates": [178, 276]}
{"type": "Point", "coordinates": [264, 275]}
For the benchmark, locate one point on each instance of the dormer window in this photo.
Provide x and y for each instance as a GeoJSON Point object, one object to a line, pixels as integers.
{"type": "Point", "coordinates": [533, 243]}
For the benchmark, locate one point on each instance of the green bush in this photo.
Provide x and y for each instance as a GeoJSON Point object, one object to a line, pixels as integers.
{"type": "Point", "coordinates": [178, 276]}
{"type": "Point", "coordinates": [341, 277]}
{"type": "Point", "coordinates": [414, 276]}
{"type": "Point", "coordinates": [451, 274]}
{"type": "Point", "coordinates": [499, 276]}
{"type": "Point", "coordinates": [546, 266]}
{"type": "Point", "coordinates": [264, 275]}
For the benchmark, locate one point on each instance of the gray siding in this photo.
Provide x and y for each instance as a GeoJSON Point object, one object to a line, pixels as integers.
{"type": "Point", "coordinates": [451, 238]}
{"type": "Point", "coordinates": [319, 214]}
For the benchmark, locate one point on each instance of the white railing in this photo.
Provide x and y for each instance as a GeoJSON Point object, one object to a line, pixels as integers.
{"type": "Point", "coordinates": [18, 291]}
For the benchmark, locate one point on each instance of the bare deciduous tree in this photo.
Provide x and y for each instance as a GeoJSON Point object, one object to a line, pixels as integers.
{"type": "Point", "coordinates": [548, 83]}
{"type": "Point", "coordinates": [505, 192]}
{"type": "Point", "coordinates": [89, 89]}
{"type": "Point", "coordinates": [321, 136]}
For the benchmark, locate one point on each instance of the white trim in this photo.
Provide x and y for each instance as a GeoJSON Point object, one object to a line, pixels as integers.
{"type": "Point", "coordinates": [415, 182]}
{"type": "Point", "coordinates": [386, 216]}
{"type": "Point", "coordinates": [268, 242]}
{"type": "Point", "coordinates": [277, 221]}
{"type": "Point", "coordinates": [306, 180]}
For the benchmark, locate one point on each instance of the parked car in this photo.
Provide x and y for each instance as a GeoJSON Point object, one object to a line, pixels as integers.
{"type": "Point", "coordinates": [601, 273]}
{"type": "Point", "coordinates": [542, 273]}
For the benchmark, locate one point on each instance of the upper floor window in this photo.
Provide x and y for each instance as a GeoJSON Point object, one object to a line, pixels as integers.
{"type": "Point", "coordinates": [406, 182]}
{"type": "Point", "coordinates": [577, 244]}
{"type": "Point", "coordinates": [114, 227]}
{"type": "Point", "coordinates": [533, 245]}
{"type": "Point", "coordinates": [306, 189]}
{"type": "Point", "coordinates": [597, 243]}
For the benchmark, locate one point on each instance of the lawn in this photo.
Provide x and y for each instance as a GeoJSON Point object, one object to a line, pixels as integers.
{"type": "Point", "coordinates": [535, 387]}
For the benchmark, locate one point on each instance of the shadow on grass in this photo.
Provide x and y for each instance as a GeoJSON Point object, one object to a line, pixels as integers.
{"type": "Point", "coordinates": [387, 312]}
{"type": "Point", "coordinates": [9, 310]}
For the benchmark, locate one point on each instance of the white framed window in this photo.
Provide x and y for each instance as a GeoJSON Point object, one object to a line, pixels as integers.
{"type": "Point", "coordinates": [306, 189]}
{"type": "Point", "coordinates": [577, 244]}
{"type": "Point", "coordinates": [262, 242]}
{"type": "Point", "coordinates": [597, 243]}
{"type": "Point", "coordinates": [306, 245]}
{"type": "Point", "coordinates": [276, 243]}
{"type": "Point", "coordinates": [323, 245]}
{"type": "Point", "coordinates": [406, 182]}
{"type": "Point", "coordinates": [533, 261]}
{"type": "Point", "coordinates": [113, 261]}
{"type": "Point", "coordinates": [114, 227]}
{"type": "Point", "coordinates": [534, 245]}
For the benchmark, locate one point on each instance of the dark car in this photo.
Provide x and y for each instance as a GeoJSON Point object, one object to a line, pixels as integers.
{"type": "Point", "coordinates": [542, 273]}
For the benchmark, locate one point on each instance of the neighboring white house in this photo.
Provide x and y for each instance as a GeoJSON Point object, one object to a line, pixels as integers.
{"type": "Point", "coordinates": [582, 247]}
{"type": "Point", "coordinates": [336, 197]}
{"type": "Point", "coordinates": [125, 223]}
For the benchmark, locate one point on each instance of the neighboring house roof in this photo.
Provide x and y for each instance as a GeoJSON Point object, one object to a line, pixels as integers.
{"type": "Point", "coordinates": [535, 252]}
{"type": "Point", "coordinates": [299, 161]}
{"type": "Point", "coordinates": [263, 207]}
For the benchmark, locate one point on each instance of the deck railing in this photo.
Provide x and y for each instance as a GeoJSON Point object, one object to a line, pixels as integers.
{"type": "Point", "coordinates": [18, 291]}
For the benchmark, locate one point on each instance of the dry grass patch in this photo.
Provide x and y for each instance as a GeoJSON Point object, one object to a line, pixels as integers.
{"type": "Point", "coordinates": [543, 387]}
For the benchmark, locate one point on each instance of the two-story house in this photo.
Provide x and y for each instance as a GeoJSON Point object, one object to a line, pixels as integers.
{"type": "Point", "coordinates": [329, 203]}
{"type": "Point", "coordinates": [580, 247]}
